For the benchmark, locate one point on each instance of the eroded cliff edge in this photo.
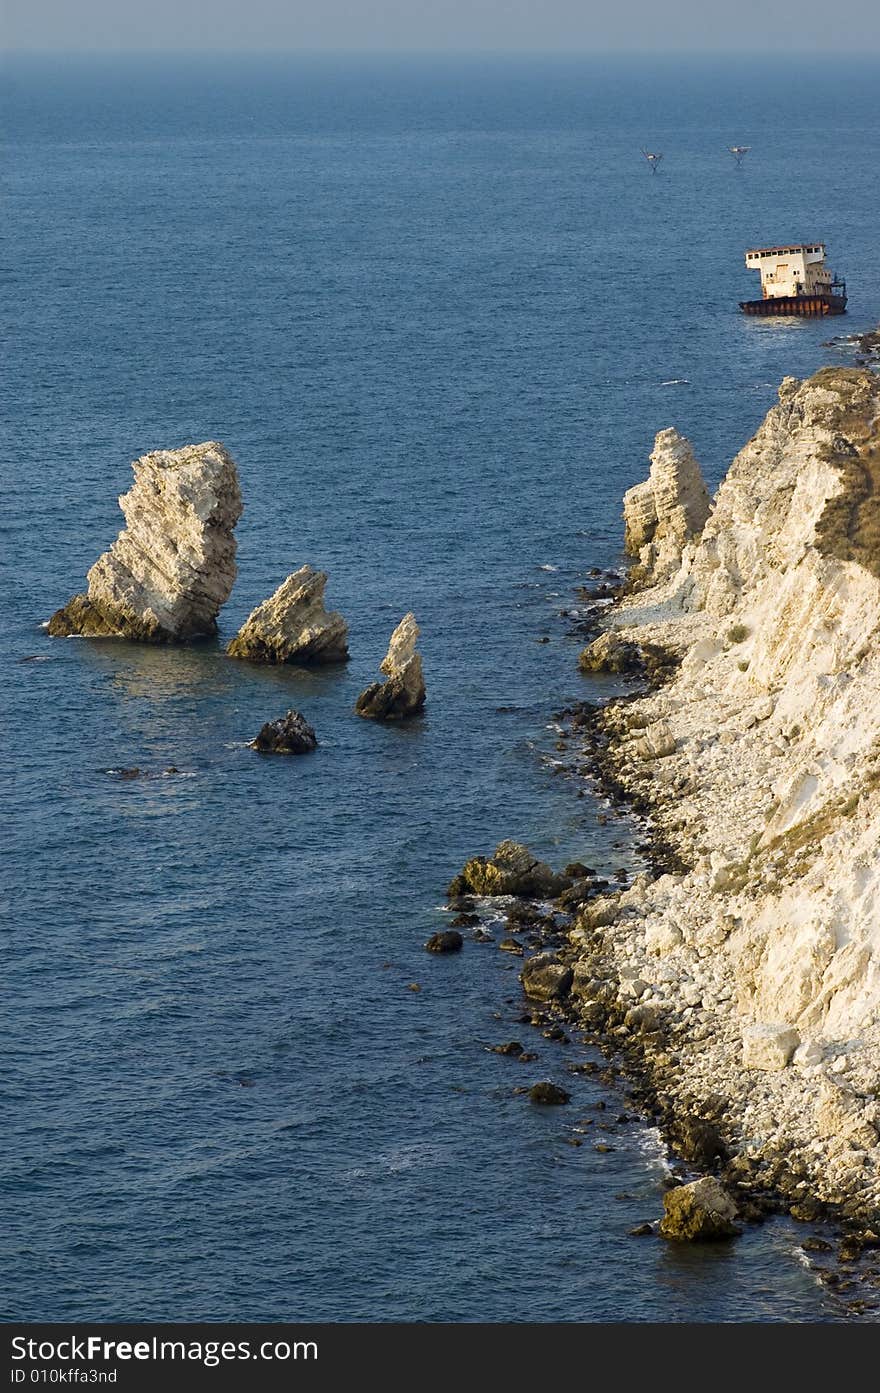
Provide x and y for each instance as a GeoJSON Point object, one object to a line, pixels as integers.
{"type": "Point", "coordinates": [752, 977]}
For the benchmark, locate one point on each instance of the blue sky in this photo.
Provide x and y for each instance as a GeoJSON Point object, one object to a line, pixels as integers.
{"type": "Point", "coordinates": [443, 25]}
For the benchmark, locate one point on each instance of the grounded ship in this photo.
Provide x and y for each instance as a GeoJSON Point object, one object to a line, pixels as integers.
{"type": "Point", "coordinates": [794, 280]}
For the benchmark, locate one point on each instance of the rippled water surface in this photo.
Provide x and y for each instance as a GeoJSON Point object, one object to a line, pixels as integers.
{"type": "Point", "coordinates": [437, 312]}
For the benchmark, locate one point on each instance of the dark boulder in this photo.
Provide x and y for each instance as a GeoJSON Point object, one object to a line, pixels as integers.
{"type": "Point", "coordinates": [576, 870]}
{"type": "Point", "coordinates": [548, 1094]}
{"type": "Point", "coordinates": [577, 894]}
{"type": "Point", "coordinates": [289, 735]}
{"type": "Point", "coordinates": [610, 653]}
{"type": "Point", "coordinates": [448, 941]}
{"type": "Point", "coordinates": [545, 978]}
{"type": "Point", "coordinates": [697, 1140]}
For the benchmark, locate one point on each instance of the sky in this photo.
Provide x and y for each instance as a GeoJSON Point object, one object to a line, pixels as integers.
{"type": "Point", "coordinates": [441, 25]}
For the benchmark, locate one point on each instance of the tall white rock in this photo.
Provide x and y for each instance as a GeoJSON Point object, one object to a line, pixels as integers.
{"type": "Point", "coordinates": [666, 511]}
{"type": "Point", "coordinates": [169, 571]}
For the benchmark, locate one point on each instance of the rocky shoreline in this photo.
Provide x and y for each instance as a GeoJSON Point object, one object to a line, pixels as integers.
{"type": "Point", "coordinates": [737, 982]}
{"type": "Point", "coordinates": [866, 346]}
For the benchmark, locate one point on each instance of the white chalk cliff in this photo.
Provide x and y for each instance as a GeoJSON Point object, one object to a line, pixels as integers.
{"type": "Point", "coordinates": [761, 757]}
{"type": "Point", "coordinates": [171, 568]}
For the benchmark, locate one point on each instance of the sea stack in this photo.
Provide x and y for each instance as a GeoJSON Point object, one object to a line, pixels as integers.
{"type": "Point", "coordinates": [293, 626]}
{"type": "Point", "coordinates": [171, 568]}
{"type": "Point", "coordinates": [668, 509]}
{"type": "Point", "coordinates": [404, 693]}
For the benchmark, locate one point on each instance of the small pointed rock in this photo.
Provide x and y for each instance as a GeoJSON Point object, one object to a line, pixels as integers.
{"type": "Point", "coordinates": [293, 626]}
{"type": "Point", "coordinates": [403, 694]}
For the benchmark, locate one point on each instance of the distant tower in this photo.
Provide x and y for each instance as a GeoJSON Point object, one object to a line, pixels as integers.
{"type": "Point", "coordinates": [739, 153]}
{"type": "Point", "coordinates": [653, 159]}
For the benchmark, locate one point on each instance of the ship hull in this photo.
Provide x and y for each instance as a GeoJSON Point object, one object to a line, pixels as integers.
{"type": "Point", "coordinates": [805, 306]}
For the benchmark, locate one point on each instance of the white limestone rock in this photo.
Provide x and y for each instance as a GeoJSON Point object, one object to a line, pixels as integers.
{"type": "Point", "coordinates": [656, 742]}
{"type": "Point", "coordinates": [668, 509]}
{"type": "Point", "coordinates": [844, 1118]}
{"type": "Point", "coordinates": [293, 626]}
{"type": "Point", "coordinates": [769, 1046]}
{"type": "Point", "coordinates": [403, 694]}
{"type": "Point", "coordinates": [171, 568]}
{"type": "Point", "coordinates": [662, 937]}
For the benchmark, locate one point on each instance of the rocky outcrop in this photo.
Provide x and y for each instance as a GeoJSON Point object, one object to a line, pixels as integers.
{"type": "Point", "coordinates": [172, 567]}
{"type": "Point", "coordinates": [293, 626]}
{"type": "Point", "coordinates": [668, 510]}
{"type": "Point", "coordinates": [545, 978]}
{"type": "Point", "coordinates": [291, 734]}
{"type": "Point", "coordinates": [760, 762]}
{"type": "Point", "coordinates": [698, 1212]}
{"type": "Point", "coordinates": [512, 870]}
{"type": "Point", "coordinates": [403, 694]}
{"type": "Point", "coordinates": [608, 653]}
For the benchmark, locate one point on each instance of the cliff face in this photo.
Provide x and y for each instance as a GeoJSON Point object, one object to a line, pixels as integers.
{"type": "Point", "coordinates": [766, 954]}
{"type": "Point", "coordinates": [173, 565]}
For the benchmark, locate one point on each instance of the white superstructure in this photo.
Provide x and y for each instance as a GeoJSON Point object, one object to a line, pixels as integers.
{"type": "Point", "coordinates": [793, 270]}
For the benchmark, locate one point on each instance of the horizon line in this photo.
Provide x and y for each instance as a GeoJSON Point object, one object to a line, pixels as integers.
{"type": "Point", "coordinates": [325, 51]}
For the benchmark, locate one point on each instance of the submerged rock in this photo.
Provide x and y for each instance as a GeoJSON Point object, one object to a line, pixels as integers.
{"type": "Point", "coordinates": [511, 945]}
{"type": "Point", "coordinates": [293, 626]}
{"type": "Point", "coordinates": [512, 870]}
{"type": "Point", "coordinates": [289, 735]}
{"type": "Point", "coordinates": [698, 1212]}
{"type": "Point", "coordinates": [404, 693]}
{"type": "Point", "coordinates": [548, 1094]}
{"type": "Point", "coordinates": [172, 566]}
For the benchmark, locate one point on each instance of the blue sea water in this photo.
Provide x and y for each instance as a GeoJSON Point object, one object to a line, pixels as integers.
{"type": "Point", "coordinates": [437, 310]}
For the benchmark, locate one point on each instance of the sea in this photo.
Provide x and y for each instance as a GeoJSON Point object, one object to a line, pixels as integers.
{"type": "Point", "coordinates": [437, 310]}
